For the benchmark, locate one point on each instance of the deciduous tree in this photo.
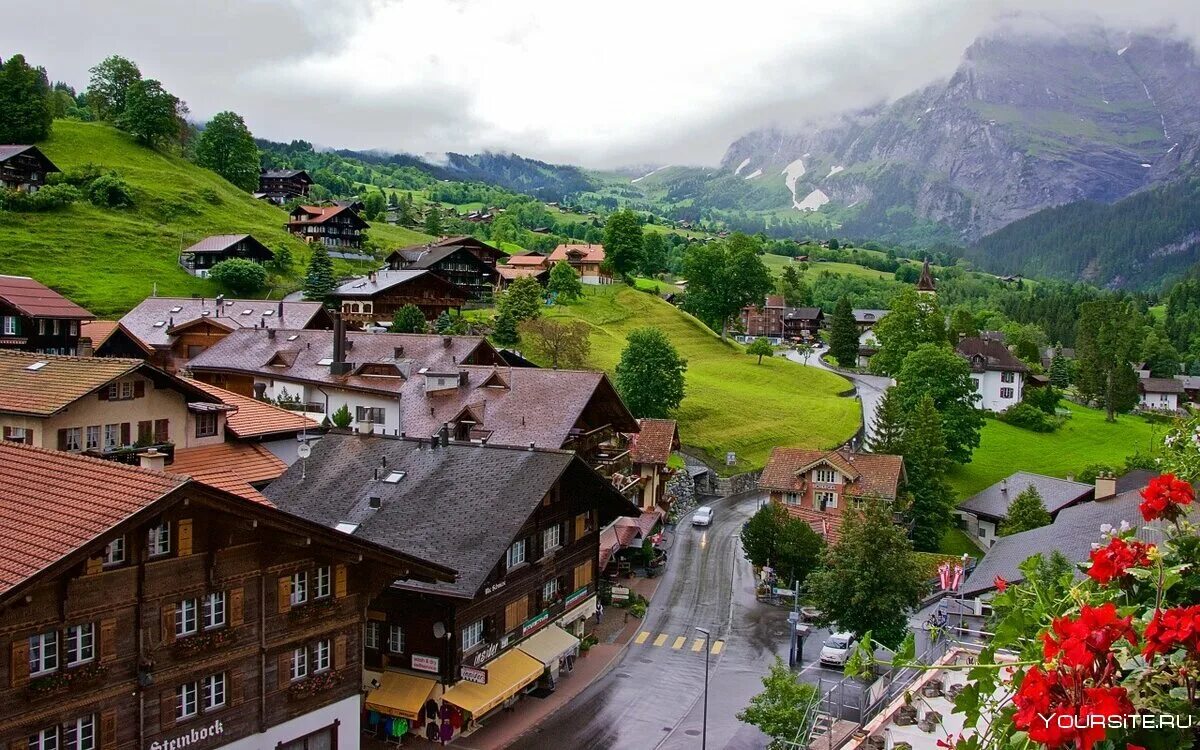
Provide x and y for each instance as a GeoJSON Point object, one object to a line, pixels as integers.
{"type": "Point", "coordinates": [781, 710]}
{"type": "Point", "coordinates": [760, 348]}
{"type": "Point", "coordinates": [25, 115]}
{"type": "Point", "coordinates": [724, 277]}
{"type": "Point", "coordinates": [109, 86]}
{"type": "Point", "coordinates": [433, 221]}
{"type": "Point", "coordinates": [649, 376]}
{"type": "Point", "coordinates": [1106, 341]}
{"type": "Point", "coordinates": [522, 299]}
{"type": "Point", "coordinates": [151, 114]}
{"type": "Point", "coordinates": [843, 335]}
{"type": "Point", "coordinates": [374, 205]}
{"type": "Point", "coordinates": [1027, 511]}
{"type": "Point", "coordinates": [561, 343]}
{"type": "Point", "coordinates": [623, 242]}
{"type": "Point", "coordinates": [242, 277]}
{"type": "Point", "coordinates": [795, 292]}
{"type": "Point", "coordinates": [913, 320]}
{"type": "Point", "coordinates": [564, 282]}
{"type": "Point", "coordinates": [226, 146]}
{"type": "Point", "coordinates": [654, 254]}
{"type": "Point", "coordinates": [409, 319]}
{"type": "Point", "coordinates": [934, 370]}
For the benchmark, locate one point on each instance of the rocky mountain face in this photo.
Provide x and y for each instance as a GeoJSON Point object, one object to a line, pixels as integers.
{"type": "Point", "coordinates": [1025, 123]}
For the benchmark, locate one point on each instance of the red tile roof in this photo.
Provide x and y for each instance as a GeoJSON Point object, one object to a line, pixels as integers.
{"type": "Point", "coordinates": [250, 462]}
{"type": "Point", "coordinates": [525, 260]}
{"type": "Point", "coordinates": [591, 253]}
{"type": "Point", "coordinates": [59, 382]}
{"type": "Point", "coordinates": [52, 503]}
{"type": "Point", "coordinates": [97, 330]}
{"type": "Point", "coordinates": [38, 300]}
{"type": "Point", "coordinates": [655, 442]}
{"type": "Point", "coordinates": [228, 481]}
{"type": "Point", "coordinates": [255, 418]}
{"type": "Point", "coordinates": [870, 474]}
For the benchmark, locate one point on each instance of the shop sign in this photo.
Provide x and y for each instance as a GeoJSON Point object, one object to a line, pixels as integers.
{"type": "Point", "coordinates": [535, 622]}
{"type": "Point", "coordinates": [473, 674]}
{"type": "Point", "coordinates": [424, 663]}
{"type": "Point", "coordinates": [191, 738]}
{"type": "Point", "coordinates": [485, 654]}
{"type": "Point", "coordinates": [620, 593]}
{"type": "Point", "coordinates": [575, 597]}
{"type": "Point", "coordinates": [494, 587]}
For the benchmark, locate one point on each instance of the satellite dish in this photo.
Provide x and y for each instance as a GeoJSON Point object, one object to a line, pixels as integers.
{"type": "Point", "coordinates": [304, 450]}
{"type": "Point", "coordinates": [439, 630]}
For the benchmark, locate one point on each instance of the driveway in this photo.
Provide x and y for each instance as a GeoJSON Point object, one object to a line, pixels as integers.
{"type": "Point", "coordinates": [870, 387]}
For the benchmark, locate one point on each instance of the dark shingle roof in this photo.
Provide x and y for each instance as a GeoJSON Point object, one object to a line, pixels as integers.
{"type": "Point", "coordinates": [283, 173]}
{"type": "Point", "coordinates": [868, 315]}
{"type": "Point", "coordinates": [803, 313]}
{"type": "Point", "coordinates": [37, 300]}
{"type": "Point", "coordinates": [152, 321]}
{"type": "Point", "coordinates": [988, 354]}
{"type": "Point", "coordinates": [9, 150]}
{"type": "Point", "coordinates": [1159, 385]}
{"type": "Point", "coordinates": [992, 503]}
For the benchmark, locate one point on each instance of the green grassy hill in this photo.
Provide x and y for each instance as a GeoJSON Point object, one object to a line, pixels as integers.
{"type": "Point", "coordinates": [108, 260]}
{"type": "Point", "coordinates": [732, 404]}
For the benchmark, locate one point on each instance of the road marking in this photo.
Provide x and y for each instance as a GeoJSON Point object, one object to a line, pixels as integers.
{"type": "Point", "coordinates": [679, 641]}
{"type": "Point", "coordinates": [661, 639]}
{"type": "Point", "coordinates": [716, 648]}
{"type": "Point", "coordinates": [642, 636]}
{"type": "Point", "coordinates": [697, 645]}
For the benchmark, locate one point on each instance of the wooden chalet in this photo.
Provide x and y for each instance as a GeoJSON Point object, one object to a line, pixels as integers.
{"type": "Point", "coordinates": [140, 609]}
{"type": "Point", "coordinates": [35, 318]}
{"type": "Point", "coordinates": [24, 168]}
{"type": "Point", "coordinates": [458, 264]}
{"type": "Point", "coordinates": [521, 527]}
{"type": "Point", "coordinates": [333, 226]}
{"type": "Point", "coordinates": [587, 260]}
{"type": "Point", "coordinates": [199, 259]}
{"type": "Point", "coordinates": [283, 185]}
{"type": "Point", "coordinates": [375, 298]}
{"type": "Point", "coordinates": [775, 321]}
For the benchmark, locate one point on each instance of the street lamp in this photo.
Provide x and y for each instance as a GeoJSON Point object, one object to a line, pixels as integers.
{"type": "Point", "coordinates": [704, 726]}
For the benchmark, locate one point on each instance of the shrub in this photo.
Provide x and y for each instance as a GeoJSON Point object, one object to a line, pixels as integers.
{"type": "Point", "coordinates": [80, 176]}
{"type": "Point", "coordinates": [110, 191]}
{"type": "Point", "coordinates": [49, 198]}
{"type": "Point", "coordinates": [1029, 417]}
{"type": "Point", "coordinates": [1045, 398]}
{"type": "Point", "coordinates": [239, 275]}
{"type": "Point", "coordinates": [1088, 474]}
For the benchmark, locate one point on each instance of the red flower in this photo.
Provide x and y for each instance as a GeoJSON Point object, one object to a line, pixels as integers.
{"type": "Point", "coordinates": [1056, 710]}
{"type": "Point", "coordinates": [1115, 560]}
{"type": "Point", "coordinates": [1163, 497]}
{"type": "Point", "coordinates": [1085, 643]}
{"type": "Point", "coordinates": [1169, 629]}
{"type": "Point", "coordinates": [1000, 584]}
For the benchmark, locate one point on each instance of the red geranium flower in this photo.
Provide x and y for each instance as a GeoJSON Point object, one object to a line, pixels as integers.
{"type": "Point", "coordinates": [1055, 709]}
{"type": "Point", "coordinates": [1169, 629]}
{"type": "Point", "coordinates": [1115, 560]}
{"type": "Point", "coordinates": [1000, 584]}
{"type": "Point", "coordinates": [1163, 497]}
{"type": "Point", "coordinates": [1085, 643]}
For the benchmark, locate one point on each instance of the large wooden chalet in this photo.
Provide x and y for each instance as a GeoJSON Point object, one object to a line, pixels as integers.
{"type": "Point", "coordinates": [140, 609]}
{"type": "Point", "coordinates": [775, 321]}
{"type": "Point", "coordinates": [199, 259]}
{"type": "Point", "coordinates": [521, 527]}
{"type": "Point", "coordinates": [458, 264]}
{"type": "Point", "coordinates": [333, 226]}
{"type": "Point", "coordinates": [283, 185]}
{"type": "Point", "coordinates": [375, 298]}
{"type": "Point", "coordinates": [35, 318]}
{"type": "Point", "coordinates": [24, 168]}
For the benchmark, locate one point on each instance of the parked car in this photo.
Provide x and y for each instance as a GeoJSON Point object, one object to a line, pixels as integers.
{"type": "Point", "coordinates": [703, 516]}
{"type": "Point", "coordinates": [837, 649]}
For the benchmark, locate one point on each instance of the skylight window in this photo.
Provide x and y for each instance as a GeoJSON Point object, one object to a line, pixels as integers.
{"type": "Point", "coordinates": [205, 313]}
{"type": "Point", "coordinates": [325, 362]}
{"type": "Point", "coordinates": [37, 366]}
{"type": "Point", "coordinates": [394, 477]}
{"type": "Point", "coordinates": [159, 323]}
{"type": "Point", "coordinates": [176, 309]}
{"type": "Point", "coordinates": [247, 312]}
{"type": "Point", "coordinates": [293, 337]}
{"type": "Point", "coordinates": [346, 528]}
{"type": "Point", "coordinates": [268, 313]}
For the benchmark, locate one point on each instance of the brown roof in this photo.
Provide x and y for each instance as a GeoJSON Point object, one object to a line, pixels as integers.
{"type": "Point", "coordinates": [38, 300]}
{"type": "Point", "coordinates": [988, 354]}
{"type": "Point", "coordinates": [155, 319]}
{"type": "Point", "coordinates": [321, 214]}
{"type": "Point", "coordinates": [250, 462]}
{"type": "Point", "coordinates": [56, 384]}
{"type": "Point", "coordinates": [926, 282]}
{"type": "Point", "coordinates": [525, 260]}
{"type": "Point", "coordinates": [255, 418]}
{"type": "Point", "coordinates": [365, 287]}
{"type": "Point", "coordinates": [654, 443]}
{"type": "Point", "coordinates": [591, 253]}
{"type": "Point", "coordinates": [509, 273]}
{"type": "Point", "coordinates": [97, 331]}
{"type": "Point", "coordinates": [874, 474]}
{"type": "Point", "coordinates": [1160, 385]}
{"type": "Point", "coordinates": [9, 150]}
{"type": "Point", "coordinates": [52, 503]}
{"type": "Point", "coordinates": [219, 243]}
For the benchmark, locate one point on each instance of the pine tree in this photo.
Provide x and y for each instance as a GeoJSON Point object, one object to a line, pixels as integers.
{"type": "Point", "coordinates": [887, 430]}
{"type": "Point", "coordinates": [1027, 511]}
{"type": "Point", "coordinates": [504, 332]}
{"type": "Point", "coordinates": [843, 334]}
{"type": "Point", "coordinates": [926, 462]}
{"type": "Point", "coordinates": [433, 221]}
{"type": "Point", "coordinates": [319, 281]}
{"type": "Point", "coordinates": [1060, 369]}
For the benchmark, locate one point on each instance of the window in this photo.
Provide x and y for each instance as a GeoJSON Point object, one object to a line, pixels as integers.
{"type": "Point", "coordinates": [162, 430]}
{"type": "Point", "coordinates": [299, 663]}
{"type": "Point", "coordinates": [73, 328]}
{"type": "Point", "coordinates": [93, 437]}
{"type": "Point", "coordinates": [299, 588]}
{"type": "Point", "coordinates": [214, 610]}
{"type": "Point", "coordinates": [81, 644]}
{"type": "Point", "coordinates": [112, 436]}
{"type": "Point", "coordinates": [551, 538]}
{"type": "Point", "coordinates": [47, 739]}
{"type": "Point", "coordinates": [583, 575]}
{"type": "Point", "coordinates": [187, 703]}
{"type": "Point", "coordinates": [55, 327]}
{"type": "Point", "coordinates": [1006, 393]}
{"type": "Point", "coordinates": [160, 539]}
{"type": "Point", "coordinates": [145, 429]}
{"type": "Point", "coordinates": [17, 434]}
{"type": "Point", "coordinates": [516, 553]}
{"type": "Point", "coordinates": [41, 327]}
{"type": "Point", "coordinates": [825, 500]}
{"type": "Point", "coordinates": [472, 635]}
{"type": "Point", "coordinates": [550, 590]}
{"type": "Point", "coordinates": [322, 739]}
{"type": "Point", "coordinates": [791, 498]}
{"type": "Point", "coordinates": [212, 688]}
{"type": "Point", "coordinates": [975, 382]}
{"type": "Point", "coordinates": [372, 414]}
{"type": "Point", "coordinates": [1007, 377]}
{"type": "Point", "coordinates": [321, 583]}
{"type": "Point", "coordinates": [80, 734]}
{"type": "Point", "coordinates": [206, 424]}
{"type": "Point", "coordinates": [114, 551]}
{"type": "Point", "coordinates": [10, 325]}
{"type": "Point", "coordinates": [827, 476]}
{"type": "Point", "coordinates": [73, 439]}
{"type": "Point", "coordinates": [395, 639]}
{"type": "Point", "coordinates": [371, 636]}
{"type": "Point", "coordinates": [43, 653]}
{"type": "Point", "coordinates": [321, 656]}
{"type": "Point", "coordinates": [186, 622]}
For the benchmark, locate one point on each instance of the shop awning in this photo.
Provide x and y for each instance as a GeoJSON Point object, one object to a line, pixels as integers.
{"type": "Point", "coordinates": [400, 695]}
{"type": "Point", "coordinates": [549, 645]}
{"type": "Point", "coordinates": [507, 674]}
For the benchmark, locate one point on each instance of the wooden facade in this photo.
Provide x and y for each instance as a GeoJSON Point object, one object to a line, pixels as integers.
{"type": "Point", "coordinates": [379, 300]}
{"type": "Point", "coordinates": [332, 226]}
{"type": "Point", "coordinates": [24, 168]}
{"type": "Point", "coordinates": [458, 265]}
{"type": "Point", "coordinates": [283, 185]}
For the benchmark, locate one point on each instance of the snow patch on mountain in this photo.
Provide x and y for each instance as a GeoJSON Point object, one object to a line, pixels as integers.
{"type": "Point", "coordinates": [653, 171]}
{"type": "Point", "coordinates": [834, 170]}
{"type": "Point", "coordinates": [753, 174]}
{"type": "Point", "coordinates": [791, 173]}
{"type": "Point", "coordinates": [813, 201]}
{"type": "Point", "coordinates": [742, 166]}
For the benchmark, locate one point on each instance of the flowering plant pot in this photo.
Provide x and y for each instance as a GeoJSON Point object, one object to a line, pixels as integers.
{"type": "Point", "coordinates": [53, 684]}
{"type": "Point", "coordinates": [312, 610]}
{"type": "Point", "coordinates": [201, 642]}
{"type": "Point", "coordinates": [313, 685]}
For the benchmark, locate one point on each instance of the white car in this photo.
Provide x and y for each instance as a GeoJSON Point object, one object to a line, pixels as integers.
{"type": "Point", "coordinates": [837, 649]}
{"type": "Point", "coordinates": [703, 516]}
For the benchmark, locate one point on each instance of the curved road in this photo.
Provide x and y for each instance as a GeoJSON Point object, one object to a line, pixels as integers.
{"type": "Point", "coordinates": [870, 387]}
{"type": "Point", "coordinates": [652, 697]}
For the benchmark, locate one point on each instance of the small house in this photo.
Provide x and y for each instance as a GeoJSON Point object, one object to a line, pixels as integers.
{"type": "Point", "coordinates": [35, 318]}
{"type": "Point", "coordinates": [283, 185]}
{"type": "Point", "coordinates": [24, 168]}
{"type": "Point", "coordinates": [982, 514]}
{"type": "Point", "coordinates": [1159, 394]}
{"type": "Point", "coordinates": [998, 375]}
{"type": "Point", "coordinates": [587, 260]}
{"type": "Point", "coordinates": [374, 299]}
{"type": "Point", "coordinates": [332, 226]}
{"type": "Point", "coordinates": [199, 259]}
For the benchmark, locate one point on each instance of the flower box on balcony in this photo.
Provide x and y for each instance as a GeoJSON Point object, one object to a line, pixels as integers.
{"type": "Point", "coordinates": [53, 684]}
{"type": "Point", "coordinates": [312, 610]}
{"type": "Point", "coordinates": [201, 642]}
{"type": "Point", "coordinates": [310, 686]}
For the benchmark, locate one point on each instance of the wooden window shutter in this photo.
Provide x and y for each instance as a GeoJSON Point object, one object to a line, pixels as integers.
{"type": "Point", "coordinates": [18, 668]}
{"type": "Point", "coordinates": [139, 388]}
{"type": "Point", "coordinates": [339, 581]}
{"type": "Point", "coordinates": [285, 594]}
{"type": "Point", "coordinates": [185, 536]}
{"type": "Point", "coordinates": [22, 744]}
{"type": "Point", "coordinates": [125, 433]}
{"type": "Point", "coordinates": [284, 669]}
{"type": "Point", "coordinates": [234, 679]}
{"type": "Point", "coordinates": [108, 729]}
{"type": "Point", "coordinates": [166, 709]}
{"type": "Point", "coordinates": [28, 436]}
{"type": "Point", "coordinates": [94, 565]}
{"type": "Point", "coordinates": [103, 393]}
{"type": "Point", "coordinates": [237, 606]}
{"type": "Point", "coordinates": [168, 623]}
{"type": "Point", "coordinates": [580, 526]}
{"type": "Point", "coordinates": [145, 430]}
{"type": "Point", "coordinates": [339, 652]}
{"type": "Point", "coordinates": [62, 440]}
{"type": "Point", "coordinates": [108, 639]}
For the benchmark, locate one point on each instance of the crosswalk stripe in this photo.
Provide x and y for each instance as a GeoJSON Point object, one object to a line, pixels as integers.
{"type": "Point", "coordinates": [642, 636]}
{"type": "Point", "coordinates": [697, 645]}
{"type": "Point", "coordinates": [661, 639]}
{"type": "Point", "coordinates": [716, 647]}
{"type": "Point", "coordinates": [678, 644]}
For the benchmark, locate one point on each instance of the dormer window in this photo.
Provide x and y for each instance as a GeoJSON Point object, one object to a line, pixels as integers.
{"type": "Point", "coordinates": [826, 476]}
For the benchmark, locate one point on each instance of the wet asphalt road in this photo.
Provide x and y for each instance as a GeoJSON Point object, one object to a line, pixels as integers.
{"type": "Point", "coordinates": [652, 698]}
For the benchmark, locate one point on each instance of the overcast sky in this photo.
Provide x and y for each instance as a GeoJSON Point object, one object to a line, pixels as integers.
{"type": "Point", "coordinates": [611, 83]}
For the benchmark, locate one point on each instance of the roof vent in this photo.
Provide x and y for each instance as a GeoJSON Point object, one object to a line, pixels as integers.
{"type": "Point", "coordinates": [205, 313]}
{"type": "Point", "coordinates": [176, 309]}
{"type": "Point", "coordinates": [346, 528]}
{"type": "Point", "coordinates": [159, 323]}
{"type": "Point", "coordinates": [375, 501]}
{"type": "Point", "coordinates": [37, 365]}
{"type": "Point", "coordinates": [293, 337]}
{"type": "Point", "coordinates": [394, 477]}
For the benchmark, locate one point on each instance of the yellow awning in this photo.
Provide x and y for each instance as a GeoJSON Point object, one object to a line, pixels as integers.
{"type": "Point", "coordinates": [507, 674]}
{"type": "Point", "coordinates": [400, 695]}
{"type": "Point", "coordinates": [548, 645]}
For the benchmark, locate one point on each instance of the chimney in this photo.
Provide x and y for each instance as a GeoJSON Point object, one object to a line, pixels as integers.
{"type": "Point", "coordinates": [446, 341]}
{"type": "Point", "coordinates": [279, 314]}
{"type": "Point", "coordinates": [339, 366]}
{"type": "Point", "coordinates": [375, 501]}
{"type": "Point", "coordinates": [444, 434]}
{"type": "Point", "coordinates": [260, 391]}
{"type": "Point", "coordinates": [1106, 486]}
{"type": "Point", "coordinates": [270, 333]}
{"type": "Point", "coordinates": [1004, 486]}
{"type": "Point", "coordinates": [153, 459]}
{"type": "Point", "coordinates": [398, 352]}
{"type": "Point", "coordinates": [463, 375]}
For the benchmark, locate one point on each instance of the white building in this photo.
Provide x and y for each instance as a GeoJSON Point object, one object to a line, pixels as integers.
{"type": "Point", "coordinates": [999, 376]}
{"type": "Point", "coordinates": [1159, 394]}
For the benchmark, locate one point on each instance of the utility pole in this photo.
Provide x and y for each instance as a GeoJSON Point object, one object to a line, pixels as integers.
{"type": "Point", "coordinates": [704, 725]}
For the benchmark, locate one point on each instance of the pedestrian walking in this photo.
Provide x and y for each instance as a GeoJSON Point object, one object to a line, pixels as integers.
{"type": "Point", "coordinates": [599, 612]}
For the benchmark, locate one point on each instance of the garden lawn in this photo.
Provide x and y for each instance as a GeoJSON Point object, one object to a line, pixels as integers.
{"type": "Point", "coordinates": [956, 542]}
{"type": "Point", "coordinates": [776, 263]}
{"type": "Point", "coordinates": [1083, 439]}
{"type": "Point", "coordinates": [732, 404]}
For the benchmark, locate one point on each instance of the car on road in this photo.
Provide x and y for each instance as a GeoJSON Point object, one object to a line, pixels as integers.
{"type": "Point", "coordinates": [703, 516]}
{"type": "Point", "coordinates": [837, 649]}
